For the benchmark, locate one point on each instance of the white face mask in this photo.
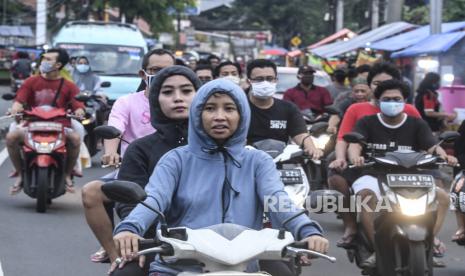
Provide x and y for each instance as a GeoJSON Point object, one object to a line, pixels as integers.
{"type": "Point", "coordinates": [264, 89]}
{"type": "Point", "coordinates": [149, 79]}
{"type": "Point", "coordinates": [234, 79]}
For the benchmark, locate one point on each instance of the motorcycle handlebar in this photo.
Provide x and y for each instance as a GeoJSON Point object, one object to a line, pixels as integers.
{"type": "Point", "coordinates": [297, 252]}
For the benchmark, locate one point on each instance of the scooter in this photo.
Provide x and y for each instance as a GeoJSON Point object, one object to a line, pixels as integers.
{"type": "Point", "coordinates": [291, 162]}
{"type": "Point", "coordinates": [96, 112]}
{"type": "Point", "coordinates": [220, 250]}
{"type": "Point", "coordinates": [403, 231]}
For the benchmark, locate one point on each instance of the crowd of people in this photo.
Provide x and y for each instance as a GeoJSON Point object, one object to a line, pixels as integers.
{"type": "Point", "coordinates": [195, 120]}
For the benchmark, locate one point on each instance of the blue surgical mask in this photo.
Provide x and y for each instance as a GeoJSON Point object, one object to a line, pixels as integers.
{"type": "Point", "coordinates": [391, 109]}
{"type": "Point", "coordinates": [46, 67]}
{"type": "Point", "coordinates": [82, 68]}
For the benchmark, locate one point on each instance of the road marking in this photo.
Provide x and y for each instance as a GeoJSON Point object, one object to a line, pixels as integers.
{"type": "Point", "coordinates": [3, 157]}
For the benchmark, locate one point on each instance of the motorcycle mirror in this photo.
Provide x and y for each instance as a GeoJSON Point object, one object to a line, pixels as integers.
{"type": "Point", "coordinates": [105, 84]}
{"type": "Point", "coordinates": [354, 137]}
{"type": "Point", "coordinates": [8, 96]}
{"type": "Point", "coordinates": [124, 191]}
{"type": "Point", "coordinates": [82, 97]}
{"type": "Point", "coordinates": [449, 136]}
{"type": "Point", "coordinates": [332, 110]}
{"type": "Point", "coordinates": [107, 132]}
{"type": "Point", "coordinates": [318, 128]}
{"type": "Point", "coordinates": [132, 193]}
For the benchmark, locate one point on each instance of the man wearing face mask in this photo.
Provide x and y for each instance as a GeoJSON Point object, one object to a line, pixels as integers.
{"type": "Point", "coordinates": [229, 70]}
{"type": "Point", "coordinates": [204, 72]}
{"type": "Point", "coordinates": [273, 118]}
{"type": "Point", "coordinates": [83, 76]}
{"type": "Point", "coordinates": [48, 88]}
{"type": "Point", "coordinates": [306, 95]}
{"type": "Point", "coordinates": [392, 129]}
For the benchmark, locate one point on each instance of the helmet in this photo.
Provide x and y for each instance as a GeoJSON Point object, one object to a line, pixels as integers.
{"type": "Point", "coordinates": [457, 193]}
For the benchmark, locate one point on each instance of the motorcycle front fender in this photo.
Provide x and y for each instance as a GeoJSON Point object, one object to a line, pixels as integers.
{"type": "Point", "coordinates": [44, 160]}
{"type": "Point", "coordinates": [412, 232]}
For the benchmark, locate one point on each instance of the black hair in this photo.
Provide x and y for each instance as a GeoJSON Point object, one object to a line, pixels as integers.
{"type": "Point", "coordinates": [426, 84]}
{"type": "Point", "coordinates": [226, 63]}
{"type": "Point", "coordinates": [158, 52]}
{"type": "Point", "coordinates": [383, 67]}
{"type": "Point", "coordinates": [203, 67]}
{"type": "Point", "coordinates": [22, 54]}
{"type": "Point", "coordinates": [364, 68]}
{"type": "Point", "coordinates": [179, 61]}
{"type": "Point", "coordinates": [260, 63]}
{"type": "Point", "coordinates": [392, 85]}
{"type": "Point", "coordinates": [212, 56]}
{"type": "Point", "coordinates": [63, 56]}
{"type": "Point", "coordinates": [339, 75]}
{"type": "Point", "coordinates": [82, 57]}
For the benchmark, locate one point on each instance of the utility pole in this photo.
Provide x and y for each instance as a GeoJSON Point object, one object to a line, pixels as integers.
{"type": "Point", "coordinates": [435, 10]}
{"type": "Point", "coordinates": [41, 22]}
{"type": "Point", "coordinates": [394, 10]}
{"type": "Point", "coordinates": [374, 14]}
{"type": "Point", "coordinates": [339, 15]}
{"type": "Point", "coordinates": [4, 13]}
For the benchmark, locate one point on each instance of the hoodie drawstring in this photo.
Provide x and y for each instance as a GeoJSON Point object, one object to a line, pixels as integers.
{"type": "Point", "coordinates": [227, 187]}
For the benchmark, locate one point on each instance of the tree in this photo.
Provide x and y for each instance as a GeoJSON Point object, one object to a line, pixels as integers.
{"type": "Point", "coordinates": [417, 12]}
{"type": "Point", "coordinates": [285, 19]}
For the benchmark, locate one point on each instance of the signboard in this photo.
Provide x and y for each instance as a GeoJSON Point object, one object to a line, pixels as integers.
{"type": "Point", "coordinates": [296, 41]}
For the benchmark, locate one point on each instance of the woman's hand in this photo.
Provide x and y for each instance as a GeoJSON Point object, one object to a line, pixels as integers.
{"type": "Point", "coordinates": [316, 243]}
{"type": "Point", "coordinates": [338, 164]}
{"type": "Point", "coordinates": [127, 245]}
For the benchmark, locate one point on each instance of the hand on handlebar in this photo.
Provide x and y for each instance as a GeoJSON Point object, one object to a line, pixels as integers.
{"type": "Point", "coordinates": [127, 245]}
{"type": "Point", "coordinates": [451, 160]}
{"type": "Point", "coordinates": [358, 161]}
{"type": "Point", "coordinates": [315, 243]}
{"type": "Point", "coordinates": [111, 159]}
{"type": "Point", "coordinates": [314, 153]}
{"type": "Point", "coordinates": [80, 112]}
{"type": "Point", "coordinates": [338, 164]}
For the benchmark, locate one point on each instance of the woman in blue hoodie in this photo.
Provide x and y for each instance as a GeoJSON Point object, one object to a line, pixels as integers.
{"type": "Point", "coordinates": [214, 179]}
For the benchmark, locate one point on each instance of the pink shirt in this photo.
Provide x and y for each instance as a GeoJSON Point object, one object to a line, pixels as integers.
{"type": "Point", "coordinates": [131, 115]}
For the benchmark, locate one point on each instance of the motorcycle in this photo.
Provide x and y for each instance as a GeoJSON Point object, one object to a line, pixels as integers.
{"type": "Point", "coordinates": [291, 162]}
{"type": "Point", "coordinates": [44, 154]}
{"type": "Point", "coordinates": [317, 128]}
{"type": "Point", "coordinates": [96, 112]}
{"type": "Point", "coordinates": [223, 249]}
{"type": "Point", "coordinates": [404, 232]}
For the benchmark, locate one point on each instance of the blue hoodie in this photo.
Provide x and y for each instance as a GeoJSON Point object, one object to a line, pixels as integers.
{"type": "Point", "coordinates": [203, 184]}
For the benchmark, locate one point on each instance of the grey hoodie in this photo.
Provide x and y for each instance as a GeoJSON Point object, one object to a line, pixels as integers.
{"type": "Point", "coordinates": [203, 184]}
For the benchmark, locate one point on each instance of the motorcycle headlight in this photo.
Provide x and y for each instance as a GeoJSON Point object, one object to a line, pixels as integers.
{"type": "Point", "coordinates": [413, 207]}
{"type": "Point", "coordinates": [321, 141]}
{"type": "Point", "coordinates": [44, 147]}
{"type": "Point", "coordinates": [86, 121]}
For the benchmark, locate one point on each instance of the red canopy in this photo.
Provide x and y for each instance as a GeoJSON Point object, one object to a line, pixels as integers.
{"type": "Point", "coordinates": [342, 33]}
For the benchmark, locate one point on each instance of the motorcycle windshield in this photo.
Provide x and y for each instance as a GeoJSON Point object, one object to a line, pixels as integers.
{"type": "Point", "coordinates": [270, 146]}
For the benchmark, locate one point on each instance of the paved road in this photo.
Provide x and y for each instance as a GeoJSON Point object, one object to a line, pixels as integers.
{"type": "Point", "coordinates": [59, 242]}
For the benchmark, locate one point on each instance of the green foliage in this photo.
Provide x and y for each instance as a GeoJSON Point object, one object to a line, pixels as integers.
{"type": "Point", "coordinates": [285, 18]}
{"type": "Point", "coordinates": [454, 10]}
{"type": "Point", "coordinates": [418, 15]}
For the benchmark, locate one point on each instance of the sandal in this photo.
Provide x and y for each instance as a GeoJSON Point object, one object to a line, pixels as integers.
{"type": "Point", "coordinates": [346, 242]}
{"type": "Point", "coordinates": [459, 238]}
{"type": "Point", "coordinates": [100, 256]}
{"type": "Point", "coordinates": [16, 188]}
{"type": "Point", "coordinates": [70, 187]}
{"type": "Point", "coordinates": [438, 248]}
{"type": "Point", "coordinates": [438, 263]}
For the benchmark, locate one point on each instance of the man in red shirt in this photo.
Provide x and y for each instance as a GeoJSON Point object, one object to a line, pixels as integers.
{"type": "Point", "coordinates": [41, 90]}
{"type": "Point", "coordinates": [306, 95]}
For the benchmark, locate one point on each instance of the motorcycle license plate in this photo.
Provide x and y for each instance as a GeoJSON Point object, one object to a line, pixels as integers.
{"type": "Point", "coordinates": [410, 180]}
{"type": "Point", "coordinates": [291, 176]}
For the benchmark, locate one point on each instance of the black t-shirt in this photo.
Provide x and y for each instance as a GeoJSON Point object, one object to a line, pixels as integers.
{"type": "Point", "coordinates": [412, 134]}
{"type": "Point", "coordinates": [281, 121]}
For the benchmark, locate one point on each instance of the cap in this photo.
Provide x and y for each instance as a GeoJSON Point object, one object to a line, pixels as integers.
{"type": "Point", "coordinates": [306, 69]}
